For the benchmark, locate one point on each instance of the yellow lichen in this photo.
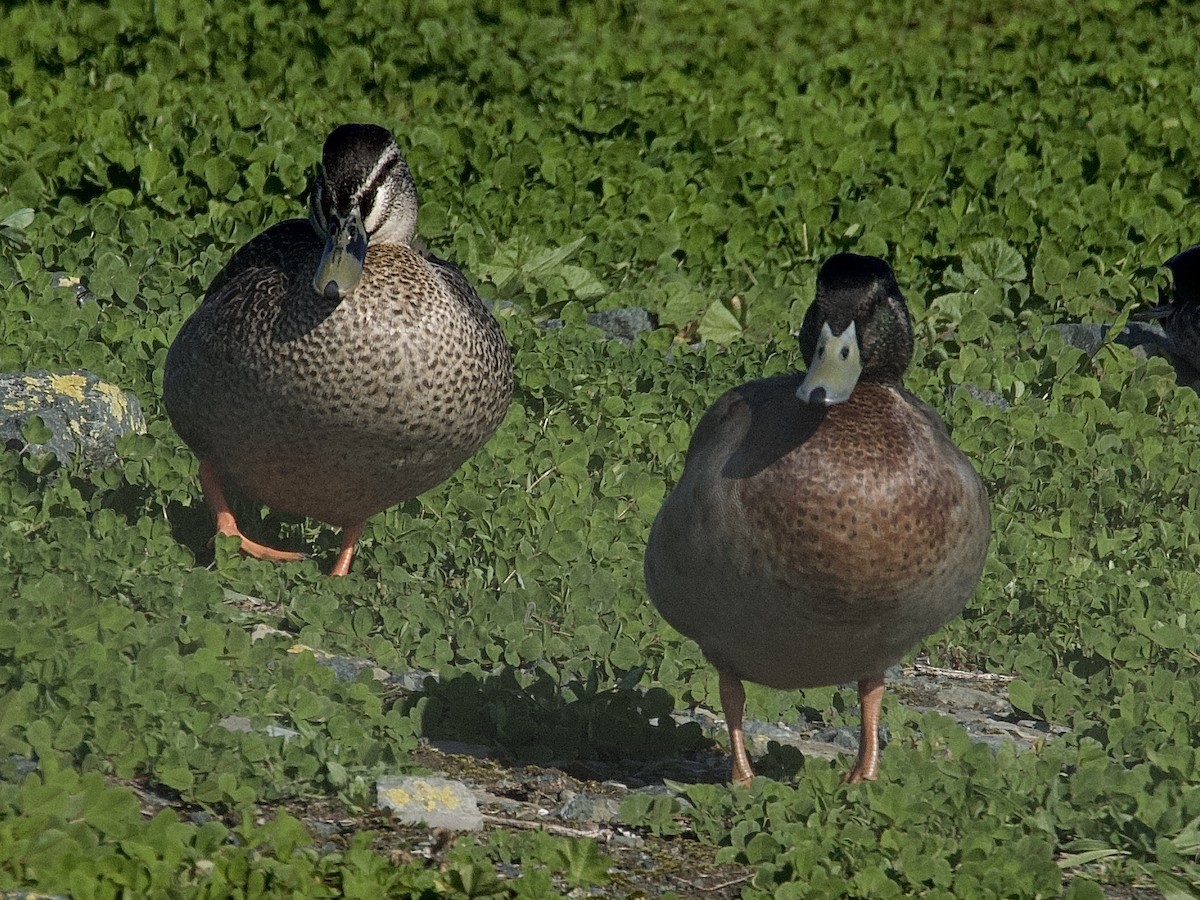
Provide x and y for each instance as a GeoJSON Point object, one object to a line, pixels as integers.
{"type": "Point", "coordinates": [116, 398]}
{"type": "Point", "coordinates": [397, 796]}
{"type": "Point", "coordinates": [427, 796]}
{"type": "Point", "coordinates": [69, 386]}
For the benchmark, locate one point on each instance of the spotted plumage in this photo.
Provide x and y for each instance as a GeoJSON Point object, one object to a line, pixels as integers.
{"type": "Point", "coordinates": [815, 541]}
{"type": "Point", "coordinates": [335, 369]}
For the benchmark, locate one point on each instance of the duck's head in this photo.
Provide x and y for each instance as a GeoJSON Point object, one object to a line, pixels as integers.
{"type": "Point", "coordinates": [857, 329]}
{"type": "Point", "coordinates": [362, 193]}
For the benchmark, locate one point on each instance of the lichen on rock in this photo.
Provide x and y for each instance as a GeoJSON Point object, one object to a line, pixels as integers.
{"type": "Point", "coordinates": [84, 413]}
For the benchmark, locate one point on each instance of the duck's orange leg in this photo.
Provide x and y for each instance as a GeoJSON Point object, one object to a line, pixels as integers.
{"type": "Point", "coordinates": [350, 536]}
{"type": "Point", "coordinates": [733, 704]}
{"type": "Point", "coordinates": [214, 496]}
{"type": "Point", "coordinates": [870, 699]}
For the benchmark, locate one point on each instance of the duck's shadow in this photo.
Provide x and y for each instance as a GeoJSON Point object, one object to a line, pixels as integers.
{"type": "Point", "coordinates": [591, 730]}
{"type": "Point", "coordinates": [587, 728]}
{"type": "Point", "coordinates": [192, 526]}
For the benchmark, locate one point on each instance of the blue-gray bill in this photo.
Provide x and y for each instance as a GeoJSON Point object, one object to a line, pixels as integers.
{"type": "Point", "coordinates": [341, 266]}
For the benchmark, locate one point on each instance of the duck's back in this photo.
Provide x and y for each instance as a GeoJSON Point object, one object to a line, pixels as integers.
{"type": "Point", "coordinates": [336, 409]}
{"type": "Point", "coordinates": [806, 545]}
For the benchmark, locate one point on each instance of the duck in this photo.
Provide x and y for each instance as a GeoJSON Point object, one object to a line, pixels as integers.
{"type": "Point", "coordinates": [336, 367]}
{"type": "Point", "coordinates": [1179, 308]}
{"type": "Point", "coordinates": [825, 522]}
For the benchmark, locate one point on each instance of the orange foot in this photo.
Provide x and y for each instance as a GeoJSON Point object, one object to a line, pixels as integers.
{"type": "Point", "coordinates": [214, 496]}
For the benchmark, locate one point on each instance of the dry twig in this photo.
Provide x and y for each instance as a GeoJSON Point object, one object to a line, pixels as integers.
{"type": "Point", "coordinates": [920, 668]}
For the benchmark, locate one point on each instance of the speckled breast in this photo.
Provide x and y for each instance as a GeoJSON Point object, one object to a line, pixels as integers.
{"type": "Point", "coordinates": [340, 410]}
{"type": "Point", "coordinates": [826, 559]}
{"type": "Point", "coordinates": [880, 517]}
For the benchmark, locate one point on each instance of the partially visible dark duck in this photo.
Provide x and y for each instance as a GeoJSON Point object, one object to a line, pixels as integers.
{"type": "Point", "coordinates": [1179, 306]}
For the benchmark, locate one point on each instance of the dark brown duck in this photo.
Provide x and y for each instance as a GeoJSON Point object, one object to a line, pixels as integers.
{"type": "Point", "coordinates": [825, 522]}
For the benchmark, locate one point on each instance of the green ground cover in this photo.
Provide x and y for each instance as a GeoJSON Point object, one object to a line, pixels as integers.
{"type": "Point", "coordinates": [1018, 164]}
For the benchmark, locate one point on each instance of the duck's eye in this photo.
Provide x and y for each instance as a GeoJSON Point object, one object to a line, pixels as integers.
{"type": "Point", "coordinates": [845, 353]}
{"type": "Point", "coordinates": [821, 352]}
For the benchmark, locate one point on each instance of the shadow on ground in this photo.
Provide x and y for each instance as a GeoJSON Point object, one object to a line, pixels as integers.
{"type": "Point", "coordinates": [544, 721]}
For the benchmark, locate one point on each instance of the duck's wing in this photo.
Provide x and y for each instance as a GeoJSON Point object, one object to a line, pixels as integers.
{"type": "Point", "coordinates": [290, 246]}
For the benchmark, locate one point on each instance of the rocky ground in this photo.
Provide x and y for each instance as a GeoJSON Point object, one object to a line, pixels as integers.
{"type": "Point", "coordinates": [583, 798]}
{"type": "Point", "coordinates": [478, 791]}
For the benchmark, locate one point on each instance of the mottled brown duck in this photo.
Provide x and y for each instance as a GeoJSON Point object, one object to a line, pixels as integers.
{"type": "Point", "coordinates": [336, 369]}
{"type": "Point", "coordinates": [824, 522]}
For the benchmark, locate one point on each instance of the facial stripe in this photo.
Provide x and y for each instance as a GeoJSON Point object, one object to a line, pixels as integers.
{"type": "Point", "coordinates": [370, 184]}
{"type": "Point", "coordinates": [377, 214]}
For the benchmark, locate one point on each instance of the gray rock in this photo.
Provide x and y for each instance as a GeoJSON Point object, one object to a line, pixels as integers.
{"type": "Point", "coordinates": [962, 697]}
{"type": "Point", "coordinates": [1148, 337]}
{"type": "Point", "coordinates": [74, 283]}
{"type": "Point", "coordinates": [85, 414]}
{"type": "Point", "coordinates": [412, 681]}
{"type": "Point", "coordinates": [627, 839]}
{"type": "Point", "coordinates": [1085, 336]}
{"type": "Point", "coordinates": [244, 725]}
{"type": "Point", "coordinates": [345, 668]}
{"type": "Point", "coordinates": [1138, 336]}
{"type": "Point", "coordinates": [771, 731]}
{"type": "Point", "coordinates": [947, 694]}
{"type": "Point", "coordinates": [658, 790]}
{"type": "Point", "coordinates": [845, 737]}
{"type": "Point", "coordinates": [982, 395]}
{"type": "Point", "coordinates": [590, 808]}
{"type": "Point", "coordinates": [623, 324]}
{"type": "Point", "coordinates": [322, 828]}
{"type": "Point", "coordinates": [435, 802]}
{"type": "Point", "coordinates": [506, 805]}
{"type": "Point", "coordinates": [19, 766]}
